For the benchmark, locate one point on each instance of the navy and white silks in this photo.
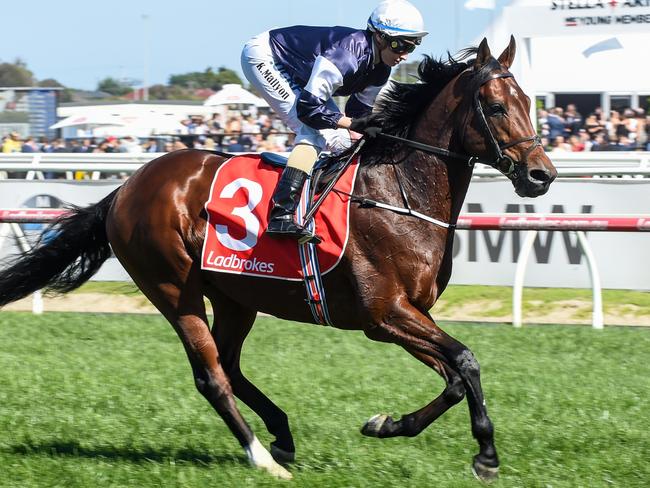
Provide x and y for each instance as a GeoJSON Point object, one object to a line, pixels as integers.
{"type": "Point", "coordinates": [299, 69]}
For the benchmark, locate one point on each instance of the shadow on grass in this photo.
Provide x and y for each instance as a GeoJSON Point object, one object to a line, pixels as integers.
{"type": "Point", "coordinates": [130, 454]}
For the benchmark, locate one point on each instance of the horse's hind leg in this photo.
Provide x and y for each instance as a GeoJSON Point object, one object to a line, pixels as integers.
{"type": "Point", "coordinates": [412, 424]}
{"type": "Point", "coordinates": [172, 281]}
{"type": "Point", "coordinates": [232, 323]}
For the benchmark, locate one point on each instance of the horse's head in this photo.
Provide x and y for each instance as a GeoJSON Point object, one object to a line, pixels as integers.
{"type": "Point", "coordinates": [499, 129]}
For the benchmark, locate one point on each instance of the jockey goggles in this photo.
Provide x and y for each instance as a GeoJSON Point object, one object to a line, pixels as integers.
{"type": "Point", "coordinates": [403, 45]}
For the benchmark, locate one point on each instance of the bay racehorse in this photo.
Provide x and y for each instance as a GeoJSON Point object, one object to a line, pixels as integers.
{"type": "Point", "coordinates": [393, 269]}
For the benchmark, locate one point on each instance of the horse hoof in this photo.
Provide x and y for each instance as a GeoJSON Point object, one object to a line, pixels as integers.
{"type": "Point", "coordinates": [483, 473]}
{"type": "Point", "coordinates": [282, 456]}
{"type": "Point", "coordinates": [262, 459]}
{"type": "Point", "coordinates": [278, 471]}
{"type": "Point", "coordinates": [274, 469]}
{"type": "Point", "coordinates": [373, 426]}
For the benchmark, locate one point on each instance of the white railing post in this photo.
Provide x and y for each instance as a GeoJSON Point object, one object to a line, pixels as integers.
{"type": "Point", "coordinates": [37, 302]}
{"type": "Point", "coordinates": [520, 271]}
{"type": "Point", "coordinates": [645, 161]}
{"type": "Point", "coordinates": [4, 232]}
{"type": "Point", "coordinates": [37, 297]}
{"type": "Point", "coordinates": [597, 312]}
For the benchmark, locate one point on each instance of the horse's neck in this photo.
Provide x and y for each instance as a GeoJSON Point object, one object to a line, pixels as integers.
{"type": "Point", "coordinates": [433, 186]}
{"type": "Point", "coordinates": [445, 181]}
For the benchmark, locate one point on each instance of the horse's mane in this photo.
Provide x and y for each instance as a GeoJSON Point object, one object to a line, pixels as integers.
{"type": "Point", "coordinates": [400, 105]}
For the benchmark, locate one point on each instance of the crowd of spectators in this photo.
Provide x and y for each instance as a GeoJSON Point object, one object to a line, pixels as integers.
{"type": "Point", "coordinates": [565, 130]}
{"type": "Point", "coordinates": [561, 130]}
{"type": "Point", "coordinates": [239, 132]}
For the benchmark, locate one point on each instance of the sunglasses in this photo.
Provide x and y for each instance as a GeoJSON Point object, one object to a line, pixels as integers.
{"type": "Point", "coordinates": [400, 45]}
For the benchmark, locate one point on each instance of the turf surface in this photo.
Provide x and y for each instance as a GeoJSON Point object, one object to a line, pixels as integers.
{"type": "Point", "coordinates": [108, 400]}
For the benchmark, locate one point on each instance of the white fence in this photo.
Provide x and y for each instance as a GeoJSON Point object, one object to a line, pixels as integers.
{"type": "Point", "coordinates": [623, 163]}
{"type": "Point", "coordinates": [98, 165]}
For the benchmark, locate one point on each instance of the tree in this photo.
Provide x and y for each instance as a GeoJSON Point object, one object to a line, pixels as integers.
{"type": "Point", "coordinates": [15, 74]}
{"type": "Point", "coordinates": [165, 92]}
{"type": "Point", "coordinates": [65, 95]}
{"type": "Point", "coordinates": [206, 79]}
{"type": "Point", "coordinates": [50, 83]}
{"type": "Point", "coordinates": [226, 76]}
{"type": "Point", "coordinates": [113, 86]}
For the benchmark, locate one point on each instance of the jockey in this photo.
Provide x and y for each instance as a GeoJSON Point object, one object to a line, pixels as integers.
{"type": "Point", "coordinates": [299, 69]}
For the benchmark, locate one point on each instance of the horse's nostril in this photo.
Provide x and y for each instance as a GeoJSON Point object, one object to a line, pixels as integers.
{"type": "Point", "coordinates": [539, 175]}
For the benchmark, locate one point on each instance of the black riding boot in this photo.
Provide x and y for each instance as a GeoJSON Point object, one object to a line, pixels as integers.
{"type": "Point", "coordinates": [285, 201]}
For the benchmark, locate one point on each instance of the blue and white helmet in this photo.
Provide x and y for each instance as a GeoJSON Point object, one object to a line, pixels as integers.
{"type": "Point", "coordinates": [397, 18]}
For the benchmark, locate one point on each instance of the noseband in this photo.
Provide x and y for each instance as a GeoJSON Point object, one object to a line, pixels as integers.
{"type": "Point", "coordinates": [501, 162]}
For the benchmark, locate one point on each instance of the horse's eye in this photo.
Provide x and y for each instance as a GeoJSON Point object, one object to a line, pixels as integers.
{"type": "Point", "coordinates": [497, 109]}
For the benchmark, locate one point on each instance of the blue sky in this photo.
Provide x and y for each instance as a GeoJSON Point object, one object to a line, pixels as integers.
{"type": "Point", "coordinates": [81, 42]}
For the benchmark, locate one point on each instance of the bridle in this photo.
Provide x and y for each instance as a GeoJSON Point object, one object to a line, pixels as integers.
{"type": "Point", "coordinates": [501, 161]}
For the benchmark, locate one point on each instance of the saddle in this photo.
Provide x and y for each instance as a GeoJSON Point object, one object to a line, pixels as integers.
{"type": "Point", "coordinates": [325, 169]}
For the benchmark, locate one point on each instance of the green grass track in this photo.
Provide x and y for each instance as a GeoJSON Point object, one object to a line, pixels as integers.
{"type": "Point", "coordinates": [108, 400]}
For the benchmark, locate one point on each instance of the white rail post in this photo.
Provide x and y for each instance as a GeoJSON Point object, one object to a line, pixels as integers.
{"type": "Point", "coordinates": [518, 286]}
{"type": "Point", "coordinates": [34, 174]}
{"type": "Point", "coordinates": [37, 297]}
{"type": "Point", "coordinates": [37, 302]}
{"type": "Point", "coordinates": [597, 312]}
{"type": "Point", "coordinates": [4, 232]}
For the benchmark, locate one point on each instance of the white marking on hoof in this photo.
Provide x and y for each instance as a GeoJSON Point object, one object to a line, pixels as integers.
{"type": "Point", "coordinates": [374, 424]}
{"type": "Point", "coordinates": [282, 456]}
{"type": "Point", "coordinates": [262, 459]}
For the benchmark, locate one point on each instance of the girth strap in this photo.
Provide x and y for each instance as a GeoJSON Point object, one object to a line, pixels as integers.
{"type": "Point", "coordinates": [312, 277]}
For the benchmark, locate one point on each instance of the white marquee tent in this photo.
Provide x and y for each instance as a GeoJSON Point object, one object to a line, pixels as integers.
{"type": "Point", "coordinates": [234, 94]}
{"type": "Point", "coordinates": [588, 48]}
{"type": "Point", "coordinates": [146, 119]}
{"type": "Point", "coordinates": [134, 119]}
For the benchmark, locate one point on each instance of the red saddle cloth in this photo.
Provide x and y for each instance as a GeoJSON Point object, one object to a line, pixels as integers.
{"type": "Point", "coordinates": [238, 209]}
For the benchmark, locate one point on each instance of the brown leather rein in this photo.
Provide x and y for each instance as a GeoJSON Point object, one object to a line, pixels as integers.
{"type": "Point", "coordinates": [501, 162]}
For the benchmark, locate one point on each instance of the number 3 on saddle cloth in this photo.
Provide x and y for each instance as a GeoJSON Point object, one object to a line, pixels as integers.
{"type": "Point", "coordinates": [238, 210]}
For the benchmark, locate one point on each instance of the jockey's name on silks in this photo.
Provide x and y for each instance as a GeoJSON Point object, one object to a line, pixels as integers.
{"type": "Point", "coordinates": [274, 83]}
{"type": "Point", "coordinates": [238, 209]}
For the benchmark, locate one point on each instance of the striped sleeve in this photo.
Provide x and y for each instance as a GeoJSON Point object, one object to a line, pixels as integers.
{"type": "Point", "coordinates": [327, 75]}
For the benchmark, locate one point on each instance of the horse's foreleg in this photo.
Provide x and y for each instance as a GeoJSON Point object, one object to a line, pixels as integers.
{"type": "Point", "coordinates": [412, 424]}
{"type": "Point", "coordinates": [407, 326]}
{"type": "Point", "coordinates": [232, 323]}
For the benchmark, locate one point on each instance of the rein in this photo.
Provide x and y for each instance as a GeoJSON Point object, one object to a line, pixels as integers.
{"type": "Point", "coordinates": [502, 162]}
{"type": "Point", "coordinates": [438, 151]}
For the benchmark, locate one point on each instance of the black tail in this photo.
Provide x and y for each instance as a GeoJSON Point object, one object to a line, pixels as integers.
{"type": "Point", "coordinates": [64, 259]}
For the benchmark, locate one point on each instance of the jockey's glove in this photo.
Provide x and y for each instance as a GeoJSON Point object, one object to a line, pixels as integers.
{"type": "Point", "coordinates": [369, 125]}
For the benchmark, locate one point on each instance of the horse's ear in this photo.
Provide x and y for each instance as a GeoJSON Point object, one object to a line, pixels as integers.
{"type": "Point", "coordinates": [483, 54]}
{"type": "Point", "coordinates": [508, 55]}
